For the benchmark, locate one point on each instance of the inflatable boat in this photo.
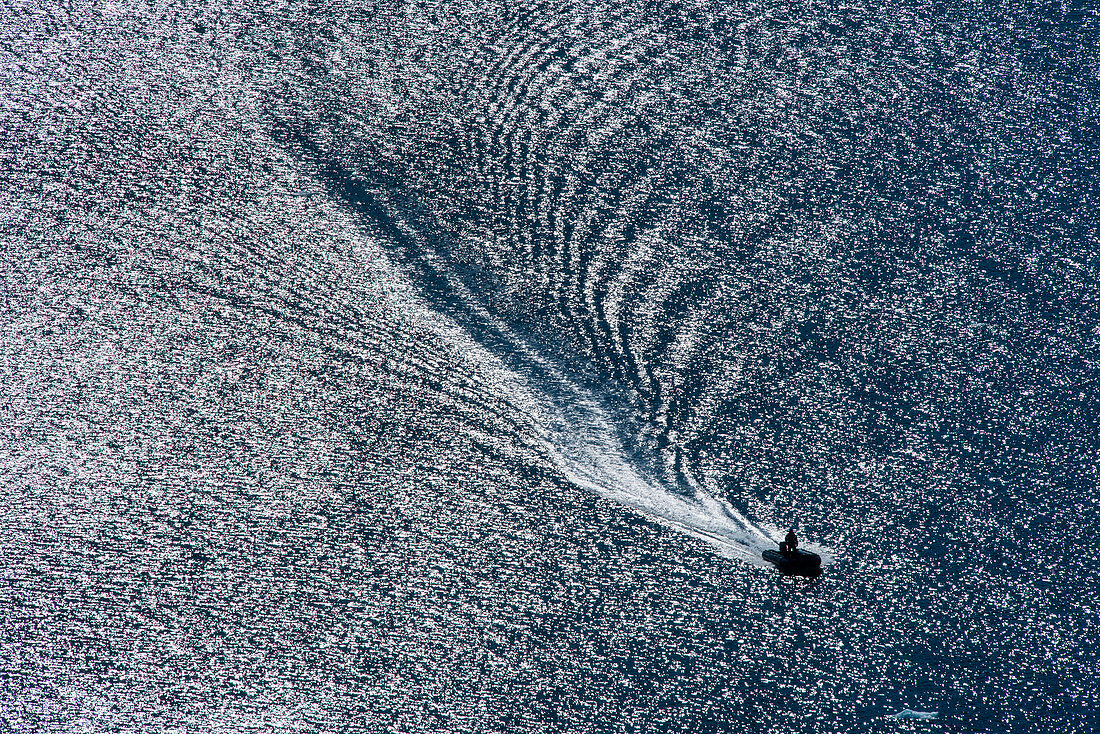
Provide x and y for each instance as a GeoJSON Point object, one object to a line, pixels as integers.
{"type": "Point", "coordinates": [794, 563]}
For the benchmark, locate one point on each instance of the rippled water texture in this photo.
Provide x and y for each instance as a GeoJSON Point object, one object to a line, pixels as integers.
{"type": "Point", "coordinates": [446, 367]}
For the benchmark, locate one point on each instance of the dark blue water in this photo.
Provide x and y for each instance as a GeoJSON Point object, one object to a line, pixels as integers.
{"type": "Point", "coordinates": [447, 367]}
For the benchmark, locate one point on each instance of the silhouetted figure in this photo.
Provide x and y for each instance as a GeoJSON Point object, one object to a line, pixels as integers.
{"type": "Point", "coordinates": [790, 543]}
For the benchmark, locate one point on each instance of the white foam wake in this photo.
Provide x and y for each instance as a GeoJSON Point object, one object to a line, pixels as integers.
{"type": "Point", "coordinates": [579, 431]}
{"type": "Point", "coordinates": [584, 439]}
{"type": "Point", "coordinates": [585, 444]}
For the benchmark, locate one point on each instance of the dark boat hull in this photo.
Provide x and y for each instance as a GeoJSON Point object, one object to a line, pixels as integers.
{"type": "Point", "coordinates": [797, 563]}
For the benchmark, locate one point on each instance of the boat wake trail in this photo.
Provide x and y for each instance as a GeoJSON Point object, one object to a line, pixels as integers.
{"type": "Point", "coordinates": [579, 429]}
{"type": "Point", "coordinates": [584, 443]}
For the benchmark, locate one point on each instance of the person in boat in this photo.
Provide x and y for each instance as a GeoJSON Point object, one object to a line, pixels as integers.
{"type": "Point", "coordinates": [790, 543]}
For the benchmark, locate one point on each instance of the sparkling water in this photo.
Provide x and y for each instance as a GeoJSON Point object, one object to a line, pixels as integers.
{"type": "Point", "coordinates": [447, 367]}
